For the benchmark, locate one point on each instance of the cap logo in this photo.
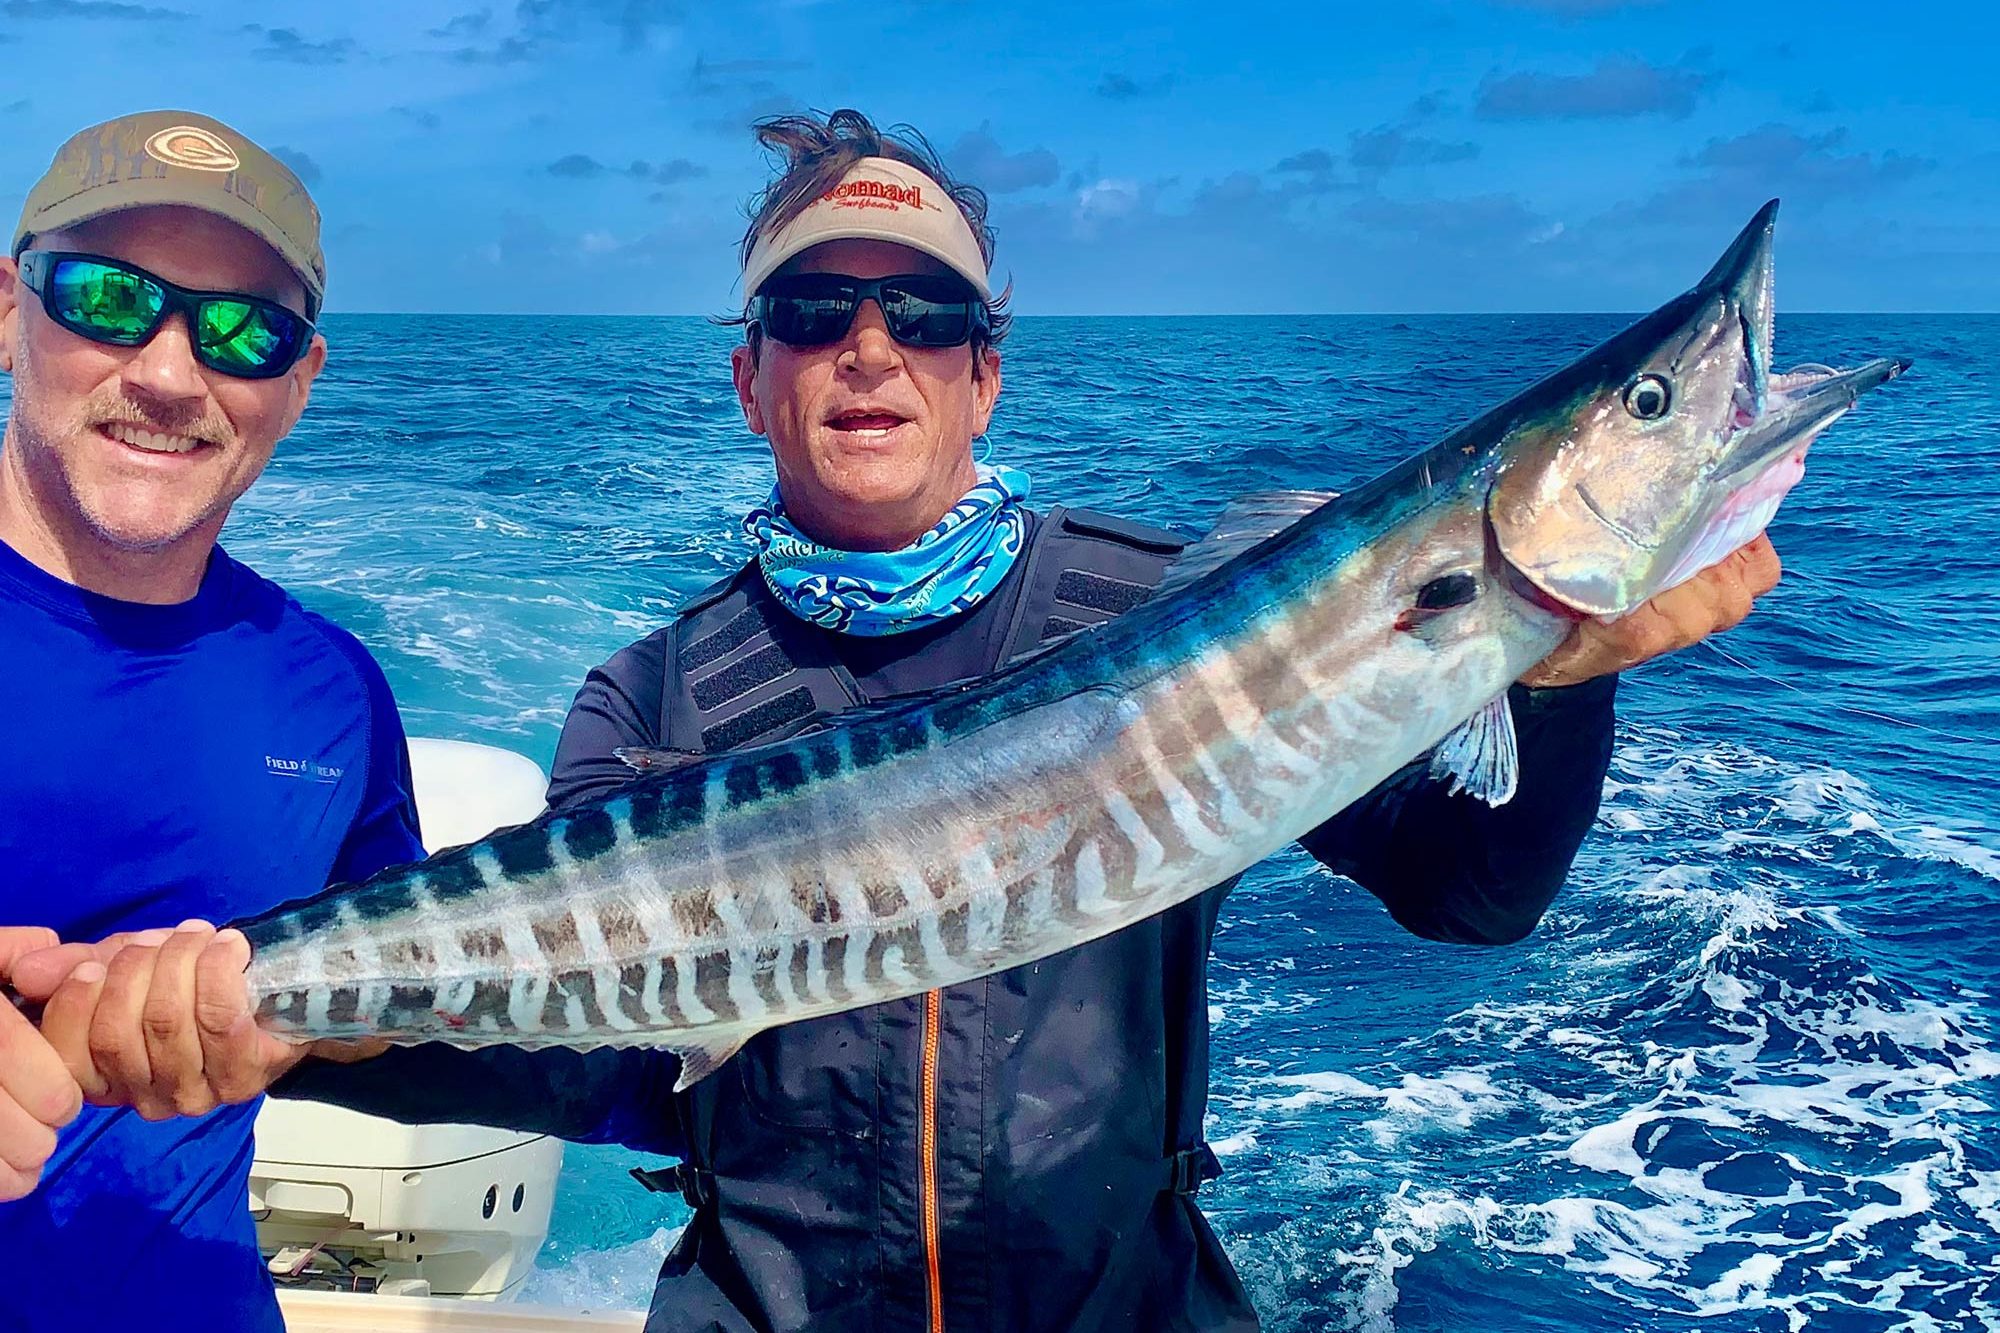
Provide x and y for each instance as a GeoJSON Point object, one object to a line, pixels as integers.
{"type": "Point", "coordinates": [874, 194]}
{"type": "Point", "coordinates": [192, 147]}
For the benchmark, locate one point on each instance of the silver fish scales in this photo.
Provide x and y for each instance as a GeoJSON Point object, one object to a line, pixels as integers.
{"type": "Point", "coordinates": [1293, 660]}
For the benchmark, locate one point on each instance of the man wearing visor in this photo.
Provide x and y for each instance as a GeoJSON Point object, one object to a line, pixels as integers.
{"type": "Point", "coordinates": [182, 740]}
{"type": "Point", "coordinates": [1022, 1152]}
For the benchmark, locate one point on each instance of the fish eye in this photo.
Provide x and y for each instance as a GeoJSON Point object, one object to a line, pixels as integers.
{"type": "Point", "coordinates": [1447, 591]}
{"type": "Point", "coordinates": [1648, 398]}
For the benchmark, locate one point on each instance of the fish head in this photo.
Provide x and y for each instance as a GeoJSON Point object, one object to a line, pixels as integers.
{"type": "Point", "coordinates": [1666, 447]}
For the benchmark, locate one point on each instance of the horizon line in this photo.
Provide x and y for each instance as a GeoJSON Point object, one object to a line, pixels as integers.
{"type": "Point", "coordinates": [1119, 314]}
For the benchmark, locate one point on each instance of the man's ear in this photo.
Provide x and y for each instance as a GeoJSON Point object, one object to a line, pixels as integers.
{"type": "Point", "coordinates": [985, 385]}
{"type": "Point", "coordinates": [10, 312]}
{"type": "Point", "coordinates": [743, 370]}
{"type": "Point", "coordinates": [302, 376]}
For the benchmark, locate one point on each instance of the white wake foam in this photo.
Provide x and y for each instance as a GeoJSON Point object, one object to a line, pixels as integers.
{"type": "Point", "coordinates": [620, 1278]}
{"type": "Point", "coordinates": [1704, 1102]}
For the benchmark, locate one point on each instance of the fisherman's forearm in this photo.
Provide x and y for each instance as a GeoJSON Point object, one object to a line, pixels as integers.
{"type": "Point", "coordinates": [1452, 868]}
{"type": "Point", "coordinates": [601, 1096]}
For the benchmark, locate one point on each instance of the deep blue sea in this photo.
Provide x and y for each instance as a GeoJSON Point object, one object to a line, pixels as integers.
{"type": "Point", "coordinates": [1743, 1077]}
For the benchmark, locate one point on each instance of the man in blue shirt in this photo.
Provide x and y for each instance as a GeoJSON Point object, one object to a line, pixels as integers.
{"type": "Point", "coordinates": [183, 740]}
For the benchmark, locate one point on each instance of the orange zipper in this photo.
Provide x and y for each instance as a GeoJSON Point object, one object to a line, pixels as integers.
{"type": "Point", "coordinates": [927, 1157]}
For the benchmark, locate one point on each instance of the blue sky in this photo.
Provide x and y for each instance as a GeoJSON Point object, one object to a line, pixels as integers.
{"type": "Point", "coordinates": [593, 155]}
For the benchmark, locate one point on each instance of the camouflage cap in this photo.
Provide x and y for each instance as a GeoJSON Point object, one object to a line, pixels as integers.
{"type": "Point", "coordinates": [179, 157]}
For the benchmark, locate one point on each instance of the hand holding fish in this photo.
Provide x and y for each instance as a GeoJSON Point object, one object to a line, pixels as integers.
{"type": "Point", "coordinates": [160, 1020]}
{"type": "Point", "coordinates": [37, 1095]}
{"type": "Point", "coordinates": [1713, 601]}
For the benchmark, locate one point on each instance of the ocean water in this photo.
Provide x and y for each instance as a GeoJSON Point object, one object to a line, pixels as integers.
{"type": "Point", "coordinates": [1743, 1077]}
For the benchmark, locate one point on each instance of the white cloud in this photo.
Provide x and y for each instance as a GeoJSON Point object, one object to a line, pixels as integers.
{"type": "Point", "coordinates": [1109, 198]}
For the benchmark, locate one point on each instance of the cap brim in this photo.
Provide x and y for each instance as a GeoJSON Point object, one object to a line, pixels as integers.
{"type": "Point", "coordinates": [168, 193]}
{"type": "Point", "coordinates": [777, 259]}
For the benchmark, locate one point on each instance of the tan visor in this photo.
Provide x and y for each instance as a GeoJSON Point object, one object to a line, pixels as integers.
{"type": "Point", "coordinates": [880, 199]}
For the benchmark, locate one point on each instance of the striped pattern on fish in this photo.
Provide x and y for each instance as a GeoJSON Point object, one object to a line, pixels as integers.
{"type": "Point", "coordinates": [1293, 665]}
{"type": "Point", "coordinates": [1116, 775]}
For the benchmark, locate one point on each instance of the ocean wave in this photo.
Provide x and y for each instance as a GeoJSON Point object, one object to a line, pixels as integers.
{"type": "Point", "coordinates": [1706, 1101]}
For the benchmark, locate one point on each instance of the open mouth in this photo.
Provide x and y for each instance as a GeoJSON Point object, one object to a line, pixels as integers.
{"type": "Point", "coordinates": [151, 441]}
{"type": "Point", "coordinates": [1769, 453]}
{"type": "Point", "coordinates": [866, 422]}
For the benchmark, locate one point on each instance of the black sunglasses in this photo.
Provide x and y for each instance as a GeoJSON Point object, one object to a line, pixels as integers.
{"type": "Point", "coordinates": [110, 301]}
{"type": "Point", "coordinates": [921, 309]}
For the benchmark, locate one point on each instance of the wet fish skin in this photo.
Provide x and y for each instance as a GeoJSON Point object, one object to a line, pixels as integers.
{"type": "Point", "coordinates": [938, 840]}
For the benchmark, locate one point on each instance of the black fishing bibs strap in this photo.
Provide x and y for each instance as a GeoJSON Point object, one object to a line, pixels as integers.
{"type": "Point", "coordinates": [742, 670]}
{"type": "Point", "coordinates": [1086, 568]}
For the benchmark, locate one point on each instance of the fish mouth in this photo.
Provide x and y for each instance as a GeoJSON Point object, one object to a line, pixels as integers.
{"type": "Point", "coordinates": [1767, 458]}
{"type": "Point", "coordinates": [1774, 417]}
{"type": "Point", "coordinates": [1801, 403]}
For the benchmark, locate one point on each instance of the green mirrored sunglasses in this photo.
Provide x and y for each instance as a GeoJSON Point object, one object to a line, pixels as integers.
{"type": "Point", "coordinates": [113, 302]}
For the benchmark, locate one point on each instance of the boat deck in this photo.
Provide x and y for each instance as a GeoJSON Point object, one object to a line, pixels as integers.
{"type": "Point", "coordinates": [337, 1312]}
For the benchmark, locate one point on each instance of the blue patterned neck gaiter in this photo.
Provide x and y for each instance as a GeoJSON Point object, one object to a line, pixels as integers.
{"type": "Point", "coordinates": [948, 570]}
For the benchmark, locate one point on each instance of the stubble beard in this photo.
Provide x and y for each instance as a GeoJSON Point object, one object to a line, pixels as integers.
{"type": "Point", "coordinates": [64, 502]}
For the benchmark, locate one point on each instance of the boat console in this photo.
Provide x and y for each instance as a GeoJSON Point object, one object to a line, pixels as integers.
{"type": "Point", "coordinates": [349, 1202]}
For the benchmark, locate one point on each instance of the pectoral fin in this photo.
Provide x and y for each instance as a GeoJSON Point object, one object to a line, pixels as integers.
{"type": "Point", "coordinates": [1480, 756]}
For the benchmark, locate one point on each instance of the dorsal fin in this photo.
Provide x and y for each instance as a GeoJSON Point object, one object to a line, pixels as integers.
{"type": "Point", "coordinates": [655, 758]}
{"type": "Point", "coordinates": [1246, 521]}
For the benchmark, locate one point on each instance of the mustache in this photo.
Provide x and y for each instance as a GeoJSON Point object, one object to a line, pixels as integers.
{"type": "Point", "coordinates": [204, 423]}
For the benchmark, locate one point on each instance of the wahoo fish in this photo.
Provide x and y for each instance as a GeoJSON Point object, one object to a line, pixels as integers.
{"type": "Point", "coordinates": [1308, 648]}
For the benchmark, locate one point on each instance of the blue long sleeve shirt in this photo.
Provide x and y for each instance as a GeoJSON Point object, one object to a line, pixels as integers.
{"type": "Point", "coordinates": [208, 759]}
